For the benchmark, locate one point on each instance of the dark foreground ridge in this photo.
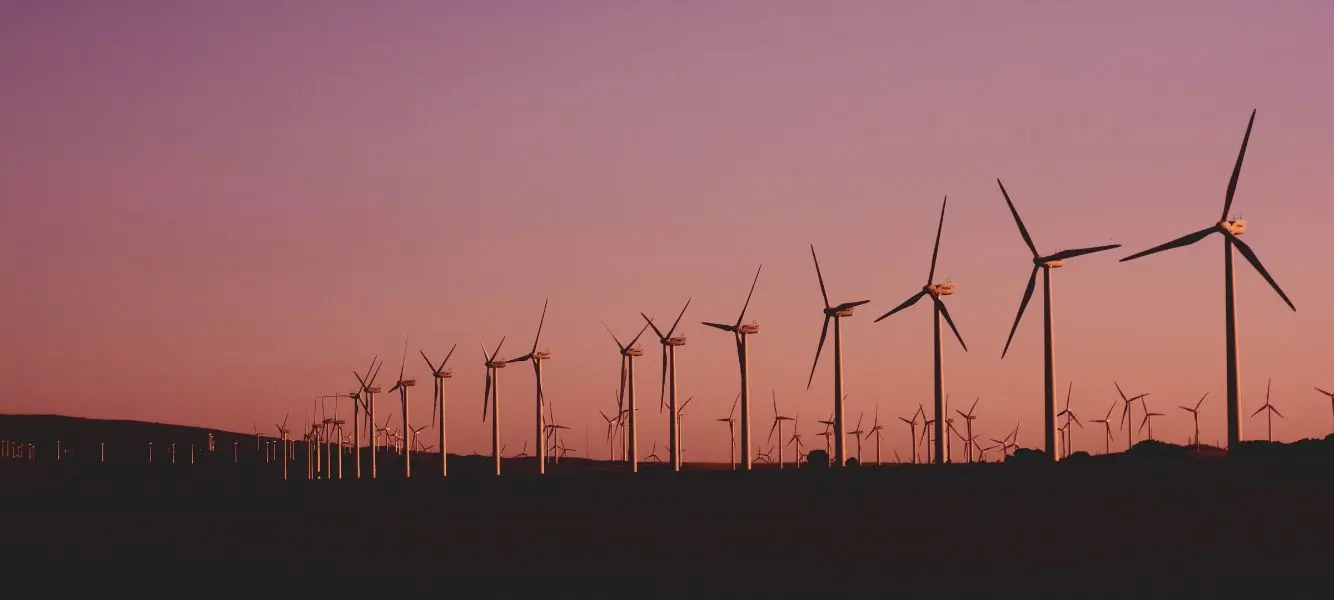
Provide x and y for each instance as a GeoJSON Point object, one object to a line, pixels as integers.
{"type": "Point", "coordinates": [1148, 512]}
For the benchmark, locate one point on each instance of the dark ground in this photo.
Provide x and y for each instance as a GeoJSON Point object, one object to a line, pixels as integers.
{"type": "Point", "coordinates": [1126, 517]}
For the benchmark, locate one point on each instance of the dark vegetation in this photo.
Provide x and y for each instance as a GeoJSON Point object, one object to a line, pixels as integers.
{"type": "Point", "coordinates": [1158, 509]}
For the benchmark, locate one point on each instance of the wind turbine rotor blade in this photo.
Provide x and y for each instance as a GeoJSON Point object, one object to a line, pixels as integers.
{"type": "Point", "coordinates": [1323, 392]}
{"type": "Point", "coordinates": [497, 352]}
{"type": "Point", "coordinates": [1023, 304]}
{"type": "Point", "coordinates": [819, 277]}
{"type": "Point", "coordinates": [748, 295]}
{"type": "Point", "coordinates": [655, 328]}
{"type": "Point", "coordinates": [638, 335]}
{"type": "Point", "coordinates": [1023, 231]}
{"type": "Point", "coordinates": [620, 395]}
{"type": "Point", "coordinates": [719, 326]}
{"type": "Point", "coordinates": [429, 365]}
{"type": "Point", "coordinates": [1064, 254]}
{"type": "Point", "coordinates": [678, 318]}
{"type": "Point", "coordinates": [486, 394]}
{"type": "Point", "coordinates": [1258, 411]}
{"type": "Point", "coordinates": [1197, 404]}
{"type": "Point", "coordinates": [540, 323]}
{"type": "Point", "coordinates": [1246, 251]}
{"type": "Point", "coordinates": [1236, 170]}
{"type": "Point", "coordinates": [945, 312]}
{"type": "Point", "coordinates": [935, 250]}
{"type": "Point", "coordinates": [824, 330]}
{"type": "Point", "coordinates": [662, 389]}
{"type": "Point", "coordinates": [1184, 240]}
{"type": "Point", "coordinates": [906, 303]}
{"type": "Point", "coordinates": [732, 414]}
{"type": "Point", "coordinates": [1280, 415]}
{"type": "Point", "coordinates": [447, 355]}
{"type": "Point", "coordinates": [847, 305]}
{"type": "Point", "coordinates": [541, 393]}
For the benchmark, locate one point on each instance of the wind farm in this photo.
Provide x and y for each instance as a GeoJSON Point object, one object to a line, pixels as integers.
{"type": "Point", "coordinates": [214, 217]}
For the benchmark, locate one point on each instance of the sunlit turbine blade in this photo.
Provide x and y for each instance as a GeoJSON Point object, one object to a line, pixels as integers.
{"type": "Point", "coordinates": [638, 335]}
{"type": "Point", "coordinates": [1023, 231]}
{"type": "Point", "coordinates": [486, 393]}
{"type": "Point", "coordinates": [678, 318]}
{"type": "Point", "coordinates": [654, 327]}
{"type": "Point", "coordinates": [1184, 240]}
{"type": "Point", "coordinates": [1236, 170]}
{"type": "Point", "coordinates": [945, 312]}
{"type": "Point", "coordinates": [1028, 295]}
{"type": "Point", "coordinates": [906, 303]}
{"type": "Point", "coordinates": [823, 331]}
{"type": "Point", "coordinates": [820, 277]}
{"type": "Point", "coordinates": [1064, 254]}
{"type": "Point", "coordinates": [1255, 262]}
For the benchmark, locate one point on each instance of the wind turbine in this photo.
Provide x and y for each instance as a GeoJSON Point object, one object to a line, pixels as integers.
{"type": "Point", "coordinates": [628, 354]}
{"type": "Point", "coordinates": [1231, 230]}
{"type": "Point", "coordinates": [536, 357]}
{"type": "Point", "coordinates": [731, 431]}
{"type": "Point", "coordinates": [836, 314]}
{"type": "Point", "coordinates": [440, 373]}
{"type": "Point", "coordinates": [1044, 264]}
{"type": "Point", "coordinates": [1148, 421]}
{"type": "Point", "coordinates": [1070, 417]}
{"type": "Point", "coordinates": [680, 431]}
{"type": "Point", "coordinates": [858, 433]}
{"type": "Point", "coordinates": [402, 385]}
{"type": "Point", "coordinates": [778, 426]}
{"type": "Point", "coordinates": [1107, 424]}
{"type": "Point", "coordinates": [938, 310]}
{"type": "Point", "coordinates": [1331, 398]}
{"type": "Point", "coordinates": [282, 435]}
{"type": "Point", "coordinates": [1272, 411]}
{"type": "Point", "coordinates": [739, 333]}
{"type": "Point", "coordinates": [968, 425]}
{"type": "Point", "coordinates": [491, 394]}
{"type": "Point", "coordinates": [669, 344]}
{"type": "Point", "coordinates": [912, 429]}
{"type": "Point", "coordinates": [876, 428]}
{"type": "Point", "coordinates": [1195, 415]}
{"type": "Point", "coordinates": [1130, 433]}
{"type": "Point", "coordinates": [368, 392]}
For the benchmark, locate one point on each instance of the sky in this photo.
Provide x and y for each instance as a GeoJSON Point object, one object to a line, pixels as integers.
{"type": "Point", "coordinates": [215, 212]}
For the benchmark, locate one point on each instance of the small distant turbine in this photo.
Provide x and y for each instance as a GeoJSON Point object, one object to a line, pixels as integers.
{"type": "Point", "coordinates": [491, 395]}
{"type": "Point", "coordinates": [536, 357]}
{"type": "Point", "coordinates": [670, 343]}
{"type": "Point", "coordinates": [1269, 406]}
{"type": "Point", "coordinates": [1195, 416]}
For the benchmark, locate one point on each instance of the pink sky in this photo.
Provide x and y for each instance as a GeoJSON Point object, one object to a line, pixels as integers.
{"type": "Point", "coordinates": [214, 212]}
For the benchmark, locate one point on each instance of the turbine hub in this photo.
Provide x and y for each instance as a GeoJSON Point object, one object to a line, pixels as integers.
{"type": "Point", "coordinates": [1236, 226]}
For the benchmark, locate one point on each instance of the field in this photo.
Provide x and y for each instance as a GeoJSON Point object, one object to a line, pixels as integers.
{"type": "Point", "coordinates": [1138, 515]}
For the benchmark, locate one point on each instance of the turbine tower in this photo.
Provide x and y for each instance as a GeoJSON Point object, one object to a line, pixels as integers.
{"type": "Point", "coordinates": [939, 310]}
{"type": "Point", "coordinates": [1195, 416]}
{"type": "Point", "coordinates": [740, 332]}
{"type": "Point", "coordinates": [536, 357]}
{"type": "Point", "coordinates": [836, 314]}
{"type": "Point", "coordinates": [1269, 406]}
{"type": "Point", "coordinates": [628, 354]}
{"type": "Point", "coordinates": [1044, 264]}
{"type": "Point", "coordinates": [1231, 230]}
{"type": "Point", "coordinates": [440, 373]}
{"type": "Point", "coordinates": [491, 394]}
{"type": "Point", "coordinates": [669, 345]}
{"type": "Point", "coordinates": [402, 386]}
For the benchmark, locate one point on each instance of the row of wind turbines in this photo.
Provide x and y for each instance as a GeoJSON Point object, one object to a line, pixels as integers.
{"type": "Point", "coordinates": [1230, 229]}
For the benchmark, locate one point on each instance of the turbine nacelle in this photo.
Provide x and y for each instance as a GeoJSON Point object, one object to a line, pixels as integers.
{"type": "Point", "coordinates": [446, 374]}
{"type": "Point", "coordinates": [1236, 226]}
{"type": "Point", "coordinates": [678, 340]}
{"type": "Point", "coordinates": [542, 355]}
{"type": "Point", "coordinates": [408, 382]}
{"type": "Point", "coordinates": [375, 389]}
{"type": "Point", "coordinates": [1050, 264]}
{"type": "Point", "coordinates": [838, 312]}
{"type": "Point", "coordinates": [751, 328]}
{"type": "Point", "coordinates": [636, 351]}
{"type": "Point", "coordinates": [496, 364]}
{"type": "Point", "coordinates": [939, 289]}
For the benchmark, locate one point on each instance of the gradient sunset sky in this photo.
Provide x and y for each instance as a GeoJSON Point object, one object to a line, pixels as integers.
{"type": "Point", "coordinates": [215, 211]}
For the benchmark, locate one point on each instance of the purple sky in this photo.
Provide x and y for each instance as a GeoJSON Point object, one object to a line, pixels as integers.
{"type": "Point", "coordinates": [215, 211]}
